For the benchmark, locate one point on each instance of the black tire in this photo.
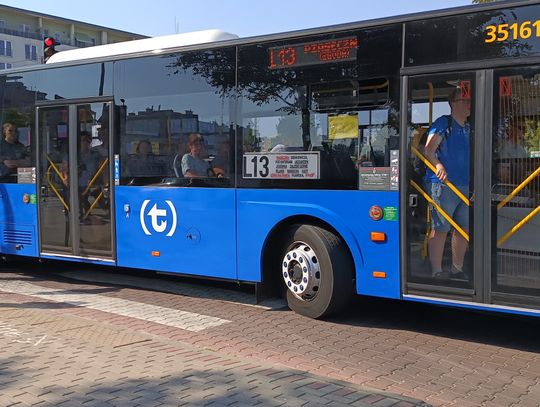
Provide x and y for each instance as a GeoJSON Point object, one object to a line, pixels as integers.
{"type": "Point", "coordinates": [334, 286]}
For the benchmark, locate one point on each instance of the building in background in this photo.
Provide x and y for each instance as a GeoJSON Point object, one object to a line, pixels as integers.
{"type": "Point", "coordinates": [22, 33]}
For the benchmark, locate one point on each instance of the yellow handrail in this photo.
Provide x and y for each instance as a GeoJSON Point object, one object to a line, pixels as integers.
{"type": "Point", "coordinates": [56, 192]}
{"type": "Point", "coordinates": [100, 169]}
{"type": "Point", "coordinates": [518, 188]}
{"type": "Point", "coordinates": [518, 226]}
{"type": "Point", "coordinates": [55, 168]}
{"type": "Point", "coordinates": [93, 205]}
{"type": "Point", "coordinates": [447, 183]}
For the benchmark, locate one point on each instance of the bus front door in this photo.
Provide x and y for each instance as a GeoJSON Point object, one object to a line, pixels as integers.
{"type": "Point", "coordinates": [74, 181]}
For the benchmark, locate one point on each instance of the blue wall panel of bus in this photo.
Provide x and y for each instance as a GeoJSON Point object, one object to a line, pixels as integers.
{"type": "Point", "coordinates": [189, 231]}
{"type": "Point", "coordinates": [321, 163]}
{"type": "Point", "coordinates": [18, 214]}
{"type": "Point", "coordinates": [347, 211]}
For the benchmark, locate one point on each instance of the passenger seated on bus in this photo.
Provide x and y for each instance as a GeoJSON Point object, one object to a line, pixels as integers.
{"type": "Point", "coordinates": [193, 163]}
{"type": "Point", "coordinates": [144, 163]}
{"type": "Point", "coordinates": [13, 153]}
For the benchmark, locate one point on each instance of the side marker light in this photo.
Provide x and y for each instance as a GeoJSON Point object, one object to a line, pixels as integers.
{"type": "Point", "coordinates": [378, 236]}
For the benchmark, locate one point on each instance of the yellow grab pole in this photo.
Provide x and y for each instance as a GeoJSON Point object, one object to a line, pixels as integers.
{"type": "Point", "coordinates": [441, 211]}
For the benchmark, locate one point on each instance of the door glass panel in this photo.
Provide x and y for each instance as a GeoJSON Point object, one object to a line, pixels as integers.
{"type": "Point", "coordinates": [54, 201]}
{"type": "Point", "coordinates": [440, 210]}
{"type": "Point", "coordinates": [515, 196]}
{"type": "Point", "coordinates": [74, 180]}
{"type": "Point", "coordinates": [93, 179]}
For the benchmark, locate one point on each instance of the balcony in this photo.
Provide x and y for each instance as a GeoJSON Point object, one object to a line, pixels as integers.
{"type": "Point", "coordinates": [17, 33]}
{"type": "Point", "coordinates": [35, 35]}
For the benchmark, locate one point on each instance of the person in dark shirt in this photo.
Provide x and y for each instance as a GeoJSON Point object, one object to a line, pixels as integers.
{"type": "Point", "coordinates": [13, 153]}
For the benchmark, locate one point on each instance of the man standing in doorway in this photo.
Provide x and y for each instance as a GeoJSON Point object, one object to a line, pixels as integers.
{"type": "Point", "coordinates": [447, 148]}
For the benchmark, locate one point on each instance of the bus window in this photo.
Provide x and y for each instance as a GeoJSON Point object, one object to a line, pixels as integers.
{"type": "Point", "coordinates": [17, 124]}
{"type": "Point", "coordinates": [177, 102]}
{"type": "Point", "coordinates": [317, 122]}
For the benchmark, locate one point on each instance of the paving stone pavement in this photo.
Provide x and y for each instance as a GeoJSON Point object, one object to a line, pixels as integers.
{"type": "Point", "coordinates": [82, 345]}
{"type": "Point", "coordinates": [409, 352]}
{"type": "Point", "coordinates": [446, 359]}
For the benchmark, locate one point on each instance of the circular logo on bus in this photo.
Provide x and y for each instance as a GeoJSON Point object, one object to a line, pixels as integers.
{"type": "Point", "coordinates": [375, 212]}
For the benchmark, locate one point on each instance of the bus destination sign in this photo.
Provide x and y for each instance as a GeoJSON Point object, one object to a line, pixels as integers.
{"type": "Point", "coordinates": [312, 53]}
{"type": "Point", "coordinates": [282, 165]}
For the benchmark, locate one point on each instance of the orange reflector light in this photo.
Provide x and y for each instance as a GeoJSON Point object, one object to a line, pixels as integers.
{"type": "Point", "coordinates": [155, 253]}
{"type": "Point", "coordinates": [379, 274]}
{"type": "Point", "coordinates": [378, 236]}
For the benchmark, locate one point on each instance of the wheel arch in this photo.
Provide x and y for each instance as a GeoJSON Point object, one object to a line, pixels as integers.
{"type": "Point", "coordinates": [270, 279]}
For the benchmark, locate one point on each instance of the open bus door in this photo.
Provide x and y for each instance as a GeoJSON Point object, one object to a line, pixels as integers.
{"type": "Point", "coordinates": [74, 178]}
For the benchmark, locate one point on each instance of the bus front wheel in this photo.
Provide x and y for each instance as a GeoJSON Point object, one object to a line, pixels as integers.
{"type": "Point", "coordinates": [317, 271]}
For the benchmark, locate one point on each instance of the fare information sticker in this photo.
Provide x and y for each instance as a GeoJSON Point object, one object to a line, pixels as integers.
{"type": "Point", "coordinates": [282, 165]}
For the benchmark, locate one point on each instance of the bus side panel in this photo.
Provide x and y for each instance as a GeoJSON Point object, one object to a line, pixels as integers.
{"type": "Point", "coordinates": [347, 211]}
{"type": "Point", "coordinates": [201, 241]}
{"type": "Point", "coordinates": [18, 211]}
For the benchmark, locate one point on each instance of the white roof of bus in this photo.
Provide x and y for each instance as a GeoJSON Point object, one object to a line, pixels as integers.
{"type": "Point", "coordinates": [155, 44]}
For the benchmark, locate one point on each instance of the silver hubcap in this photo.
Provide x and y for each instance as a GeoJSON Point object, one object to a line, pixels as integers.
{"type": "Point", "coordinates": [301, 271]}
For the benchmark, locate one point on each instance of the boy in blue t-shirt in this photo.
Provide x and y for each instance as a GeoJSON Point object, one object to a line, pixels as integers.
{"type": "Point", "coordinates": [447, 148]}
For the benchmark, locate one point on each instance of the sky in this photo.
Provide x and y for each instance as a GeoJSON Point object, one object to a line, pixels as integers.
{"type": "Point", "coordinates": [244, 18]}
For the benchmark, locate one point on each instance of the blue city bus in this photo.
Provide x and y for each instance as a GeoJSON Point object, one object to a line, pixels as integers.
{"type": "Point", "coordinates": [293, 161]}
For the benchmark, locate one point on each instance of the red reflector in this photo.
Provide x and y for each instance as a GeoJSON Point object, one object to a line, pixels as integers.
{"type": "Point", "coordinates": [378, 236]}
{"type": "Point", "coordinates": [376, 212]}
{"type": "Point", "coordinates": [379, 274]}
{"type": "Point", "coordinates": [155, 253]}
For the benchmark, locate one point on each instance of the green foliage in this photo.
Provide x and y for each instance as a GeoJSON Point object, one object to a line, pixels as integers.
{"type": "Point", "coordinates": [16, 117]}
{"type": "Point", "coordinates": [532, 135]}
